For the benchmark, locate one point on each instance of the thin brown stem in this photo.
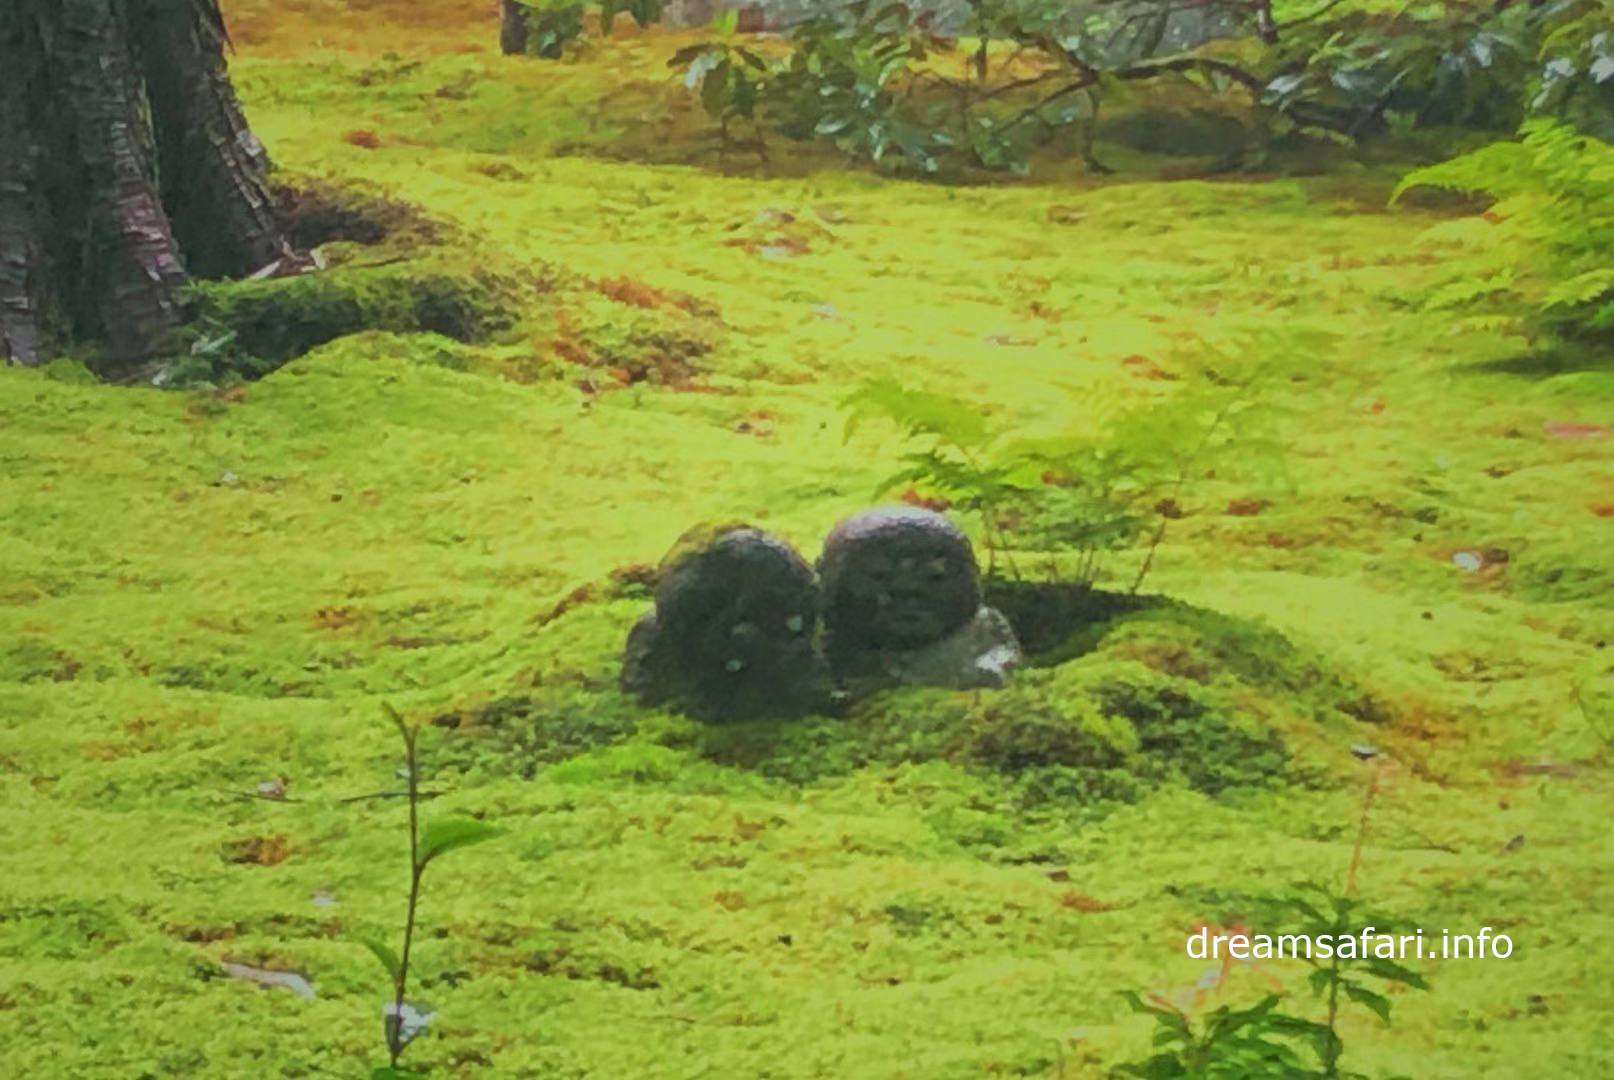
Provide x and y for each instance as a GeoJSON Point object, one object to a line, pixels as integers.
{"type": "Point", "coordinates": [1361, 831]}
{"type": "Point", "coordinates": [1148, 558]}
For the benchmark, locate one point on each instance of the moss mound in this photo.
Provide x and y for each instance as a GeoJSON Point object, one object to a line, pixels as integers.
{"type": "Point", "coordinates": [1165, 695]}
{"type": "Point", "coordinates": [276, 319]}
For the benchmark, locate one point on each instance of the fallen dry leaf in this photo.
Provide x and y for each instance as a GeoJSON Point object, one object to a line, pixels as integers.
{"type": "Point", "coordinates": [1566, 429]}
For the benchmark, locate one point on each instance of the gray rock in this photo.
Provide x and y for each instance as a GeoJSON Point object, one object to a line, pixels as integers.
{"type": "Point", "coordinates": [979, 655]}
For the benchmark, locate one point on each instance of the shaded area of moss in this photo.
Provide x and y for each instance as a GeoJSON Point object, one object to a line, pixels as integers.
{"type": "Point", "coordinates": [1166, 695]}
{"type": "Point", "coordinates": [277, 319]}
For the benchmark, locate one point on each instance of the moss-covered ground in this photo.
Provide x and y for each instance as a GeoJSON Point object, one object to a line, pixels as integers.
{"type": "Point", "coordinates": [201, 591]}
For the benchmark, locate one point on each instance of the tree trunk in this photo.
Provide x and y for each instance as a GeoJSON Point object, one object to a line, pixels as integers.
{"type": "Point", "coordinates": [513, 29]}
{"type": "Point", "coordinates": [101, 98]}
{"type": "Point", "coordinates": [25, 336]}
{"type": "Point", "coordinates": [214, 171]}
{"type": "Point", "coordinates": [131, 262]}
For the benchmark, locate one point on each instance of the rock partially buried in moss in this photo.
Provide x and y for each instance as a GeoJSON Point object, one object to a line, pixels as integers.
{"type": "Point", "coordinates": [731, 636]}
{"type": "Point", "coordinates": [902, 603]}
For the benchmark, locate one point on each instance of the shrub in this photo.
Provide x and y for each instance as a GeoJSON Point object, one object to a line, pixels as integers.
{"type": "Point", "coordinates": [890, 84]}
{"type": "Point", "coordinates": [1079, 495]}
{"type": "Point", "coordinates": [551, 27]}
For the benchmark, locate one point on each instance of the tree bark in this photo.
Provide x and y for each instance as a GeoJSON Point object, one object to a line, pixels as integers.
{"type": "Point", "coordinates": [125, 164]}
{"type": "Point", "coordinates": [25, 316]}
{"type": "Point", "coordinates": [214, 171]}
{"type": "Point", "coordinates": [131, 261]}
{"type": "Point", "coordinates": [513, 28]}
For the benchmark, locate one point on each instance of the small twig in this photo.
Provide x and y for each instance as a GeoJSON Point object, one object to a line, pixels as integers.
{"type": "Point", "coordinates": [257, 796]}
{"type": "Point", "coordinates": [392, 795]}
{"type": "Point", "coordinates": [1319, 13]}
{"type": "Point", "coordinates": [254, 796]}
{"type": "Point", "coordinates": [1148, 558]}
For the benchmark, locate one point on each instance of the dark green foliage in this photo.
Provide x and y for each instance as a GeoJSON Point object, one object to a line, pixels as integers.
{"type": "Point", "coordinates": [1574, 81]}
{"type": "Point", "coordinates": [847, 80]}
{"type": "Point", "coordinates": [1429, 63]}
{"type": "Point", "coordinates": [876, 81]}
{"type": "Point", "coordinates": [1256, 1043]}
{"type": "Point", "coordinates": [729, 77]}
{"type": "Point", "coordinates": [554, 26]}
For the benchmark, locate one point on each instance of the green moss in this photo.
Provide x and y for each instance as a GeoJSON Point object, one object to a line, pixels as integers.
{"type": "Point", "coordinates": [203, 591]}
{"type": "Point", "coordinates": [68, 369]}
{"type": "Point", "coordinates": [277, 319]}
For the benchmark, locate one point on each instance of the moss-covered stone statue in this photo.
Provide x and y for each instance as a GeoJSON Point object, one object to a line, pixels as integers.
{"type": "Point", "coordinates": [902, 603]}
{"type": "Point", "coordinates": [732, 633]}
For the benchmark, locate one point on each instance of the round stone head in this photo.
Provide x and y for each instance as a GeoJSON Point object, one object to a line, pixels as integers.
{"type": "Point", "coordinates": [734, 625]}
{"type": "Point", "coordinates": [897, 578]}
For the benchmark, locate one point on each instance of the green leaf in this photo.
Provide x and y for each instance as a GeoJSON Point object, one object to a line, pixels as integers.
{"type": "Point", "coordinates": [1581, 289]}
{"type": "Point", "coordinates": [448, 834]}
{"type": "Point", "coordinates": [716, 89]}
{"type": "Point", "coordinates": [919, 412]}
{"type": "Point", "coordinates": [1363, 996]}
{"type": "Point", "coordinates": [645, 12]}
{"type": "Point", "coordinates": [687, 54]}
{"type": "Point", "coordinates": [383, 953]}
{"type": "Point", "coordinates": [1392, 972]}
{"type": "Point", "coordinates": [1172, 1022]}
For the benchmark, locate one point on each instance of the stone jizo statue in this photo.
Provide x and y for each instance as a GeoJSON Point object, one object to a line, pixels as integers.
{"type": "Point", "coordinates": [902, 603]}
{"type": "Point", "coordinates": [732, 633]}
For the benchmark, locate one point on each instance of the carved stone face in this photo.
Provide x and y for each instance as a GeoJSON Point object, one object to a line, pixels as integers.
{"type": "Point", "coordinates": [897, 578]}
{"type": "Point", "coordinates": [733, 629]}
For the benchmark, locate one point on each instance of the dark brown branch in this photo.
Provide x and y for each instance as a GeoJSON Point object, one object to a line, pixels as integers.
{"type": "Point", "coordinates": [1176, 65]}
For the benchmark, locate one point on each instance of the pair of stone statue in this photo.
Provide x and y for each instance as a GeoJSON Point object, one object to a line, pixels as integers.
{"type": "Point", "coordinates": [735, 629]}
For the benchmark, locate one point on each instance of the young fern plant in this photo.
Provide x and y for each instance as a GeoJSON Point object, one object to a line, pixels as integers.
{"type": "Point", "coordinates": [1256, 1043]}
{"type": "Point", "coordinates": [1081, 494]}
{"type": "Point", "coordinates": [1343, 980]}
{"type": "Point", "coordinates": [959, 455]}
{"type": "Point", "coordinates": [403, 1020]}
{"type": "Point", "coordinates": [1547, 234]}
{"type": "Point", "coordinates": [1262, 1041]}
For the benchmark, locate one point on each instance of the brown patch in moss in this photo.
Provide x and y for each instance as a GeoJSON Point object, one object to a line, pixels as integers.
{"type": "Point", "coordinates": [257, 850]}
